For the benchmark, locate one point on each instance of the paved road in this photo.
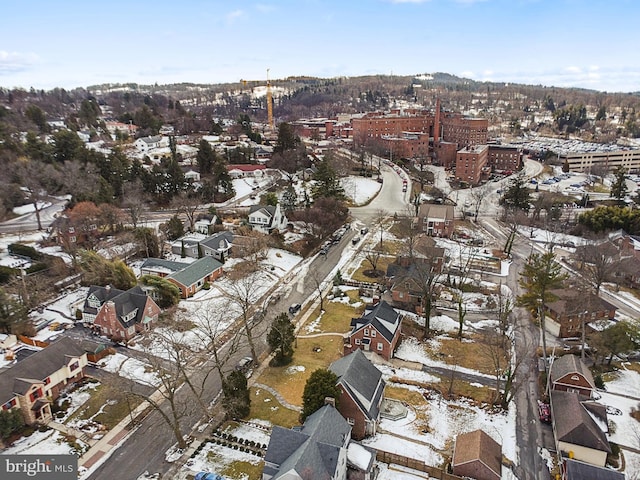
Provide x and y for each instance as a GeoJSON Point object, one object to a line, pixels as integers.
{"type": "Point", "coordinates": [28, 222]}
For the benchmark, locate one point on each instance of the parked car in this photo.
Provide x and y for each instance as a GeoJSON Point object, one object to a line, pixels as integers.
{"type": "Point", "coordinates": [363, 231]}
{"type": "Point", "coordinates": [295, 308]}
{"type": "Point", "coordinates": [544, 412]}
{"type": "Point", "coordinates": [355, 240]}
{"type": "Point", "coordinates": [244, 364]}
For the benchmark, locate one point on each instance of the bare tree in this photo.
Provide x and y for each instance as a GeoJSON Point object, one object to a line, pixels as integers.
{"type": "Point", "coordinates": [380, 220]}
{"type": "Point", "coordinates": [171, 404]}
{"type": "Point", "coordinates": [505, 364]}
{"type": "Point", "coordinates": [409, 231]}
{"type": "Point", "coordinates": [134, 202]}
{"type": "Point", "coordinates": [372, 255]}
{"type": "Point", "coordinates": [318, 282]}
{"type": "Point", "coordinates": [598, 263]}
{"type": "Point", "coordinates": [244, 289]}
{"type": "Point", "coordinates": [188, 203]}
{"type": "Point", "coordinates": [478, 196]}
{"type": "Point", "coordinates": [39, 179]}
{"type": "Point", "coordinates": [212, 333]}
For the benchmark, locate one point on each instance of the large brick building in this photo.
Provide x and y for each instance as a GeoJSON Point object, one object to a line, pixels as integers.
{"type": "Point", "coordinates": [472, 164]}
{"type": "Point", "coordinates": [421, 132]}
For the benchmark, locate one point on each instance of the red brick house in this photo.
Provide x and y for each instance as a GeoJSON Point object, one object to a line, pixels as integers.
{"type": "Point", "coordinates": [120, 315]}
{"type": "Point", "coordinates": [34, 383]}
{"type": "Point", "coordinates": [572, 309]}
{"type": "Point", "coordinates": [362, 390]}
{"type": "Point", "coordinates": [436, 220]}
{"type": "Point", "coordinates": [192, 278]}
{"type": "Point", "coordinates": [477, 455]}
{"type": "Point", "coordinates": [570, 374]}
{"type": "Point", "coordinates": [377, 330]}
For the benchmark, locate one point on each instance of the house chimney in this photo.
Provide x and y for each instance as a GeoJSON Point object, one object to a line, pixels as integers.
{"type": "Point", "coordinates": [330, 401]}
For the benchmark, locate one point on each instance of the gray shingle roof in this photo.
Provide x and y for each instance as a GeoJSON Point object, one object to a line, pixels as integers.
{"type": "Point", "coordinates": [162, 263]}
{"type": "Point", "coordinates": [312, 451]}
{"type": "Point", "coordinates": [382, 317]}
{"type": "Point", "coordinates": [214, 240]}
{"type": "Point", "coordinates": [196, 271]}
{"type": "Point", "coordinates": [576, 470]}
{"type": "Point", "coordinates": [362, 380]}
{"type": "Point", "coordinates": [574, 424]}
{"type": "Point", "coordinates": [38, 366]}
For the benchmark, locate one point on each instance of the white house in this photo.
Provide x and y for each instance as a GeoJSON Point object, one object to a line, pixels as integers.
{"type": "Point", "coordinates": [266, 219]}
{"type": "Point", "coordinates": [192, 176]}
{"type": "Point", "coordinates": [144, 144]}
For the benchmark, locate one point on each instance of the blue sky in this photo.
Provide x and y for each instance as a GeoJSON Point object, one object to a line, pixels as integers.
{"type": "Point", "coordinates": [583, 43]}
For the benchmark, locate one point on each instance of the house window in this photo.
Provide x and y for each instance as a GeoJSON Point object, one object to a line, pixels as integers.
{"type": "Point", "coordinates": [357, 341]}
{"type": "Point", "coordinates": [351, 421]}
{"type": "Point", "coordinates": [366, 332]}
{"type": "Point", "coordinates": [10, 404]}
{"type": "Point", "coordinates": [72, 230]}
{"type": "Point", "coordinates": [47, 381]}
{"type": "Point", "coordinates": [373, 333]}
{"type": "Point", "coordinates": [380, 346]}
{"type": "Point", "coordinates": [72, 239]}
{"type": "Point", "coordinates": [575, 378]}
{"type": "Point", "coordinates": [74, 366]}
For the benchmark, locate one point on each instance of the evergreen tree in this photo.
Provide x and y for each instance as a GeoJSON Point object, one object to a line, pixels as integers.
{"type": "Point", "coordinates": [280, 339]}
{"type": "Point", "coordinates": [206, 157]}
{"type": "Point", "coordinates": [289, 199]}
{"type": "Point", "coordinates": [517, 194]}
{"type": "Point", "coordinates": [168, 293]}
{"type": "Point", "coordinates": [236, 400]}
{"type": "Point", "coordinates": [327, 182]}
{"type": "Point", "coordinates": [540, 275]}
{"type": "Point", "coordinates": [12, 312]}
{"type": "Point", "coordinates": [619, 188]}
{"type": "Point", "coordinates": [321, 384]}
{"type": "Point", "coordinates": [287, 139]}
{"type": "Point", "coordinates": [174, 228]}
{"type": "Point", "coordinates": [10, 421]}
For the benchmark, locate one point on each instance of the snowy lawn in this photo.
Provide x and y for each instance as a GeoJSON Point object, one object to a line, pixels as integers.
{"type": "Point", "coordinates": [130, 368]}
{"type": "Point", "coordinates": [50, 441]}
{"type": "Point", "coordinates": [360, 190]}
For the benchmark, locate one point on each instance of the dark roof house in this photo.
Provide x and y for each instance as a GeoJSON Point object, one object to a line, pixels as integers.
{"type": "Point", "coordinates": [377, 330]}
{"type": "Point", "coordinates": [362, 389]}
{"type": "Point", "coordinates": [579, 428]}
{"type": "Point", "coordinates": [317, 450]}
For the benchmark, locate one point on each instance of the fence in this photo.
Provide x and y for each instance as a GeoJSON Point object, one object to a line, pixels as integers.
{"type": "Point", "coordinates": [434, 472]}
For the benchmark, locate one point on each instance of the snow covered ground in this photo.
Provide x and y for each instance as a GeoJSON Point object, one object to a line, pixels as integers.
{"type": "Point", "coordinates": [359, 189]}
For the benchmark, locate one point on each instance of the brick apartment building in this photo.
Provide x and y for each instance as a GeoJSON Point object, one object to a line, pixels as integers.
{"type": "Point", "coordinates": [472, 164]}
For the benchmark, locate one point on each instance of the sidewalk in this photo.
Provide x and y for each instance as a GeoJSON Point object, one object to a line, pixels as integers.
{"type": "Point", "coordinates": [102, 448]}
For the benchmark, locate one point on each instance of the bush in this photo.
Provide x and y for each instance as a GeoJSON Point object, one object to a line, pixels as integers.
{"type": "Point", "coordinates": [599, 382]}
{"type": "Point", "coordinates": [206, 286]}
{"type": "Point", "coordinates": [7, 273]}
{"type": "Point", "coordinates": [37, 267]}
{"type": "Point", "coordinates": [25, 251]}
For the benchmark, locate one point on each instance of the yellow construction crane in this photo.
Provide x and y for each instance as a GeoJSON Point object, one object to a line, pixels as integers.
{"type": "Point", "coordinates": [269, 100]}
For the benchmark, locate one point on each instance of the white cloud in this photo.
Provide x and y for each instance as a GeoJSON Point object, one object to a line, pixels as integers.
{"type": "Point", "coordinates": [573, 69]}
{"type": "Point", "coordinates": [11, 62]}
{"type": "Point", "coordinates": [234, 15]}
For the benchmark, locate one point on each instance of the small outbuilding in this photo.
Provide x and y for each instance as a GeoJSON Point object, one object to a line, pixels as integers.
{"type": "Point", "coordinates": [477, 455]}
